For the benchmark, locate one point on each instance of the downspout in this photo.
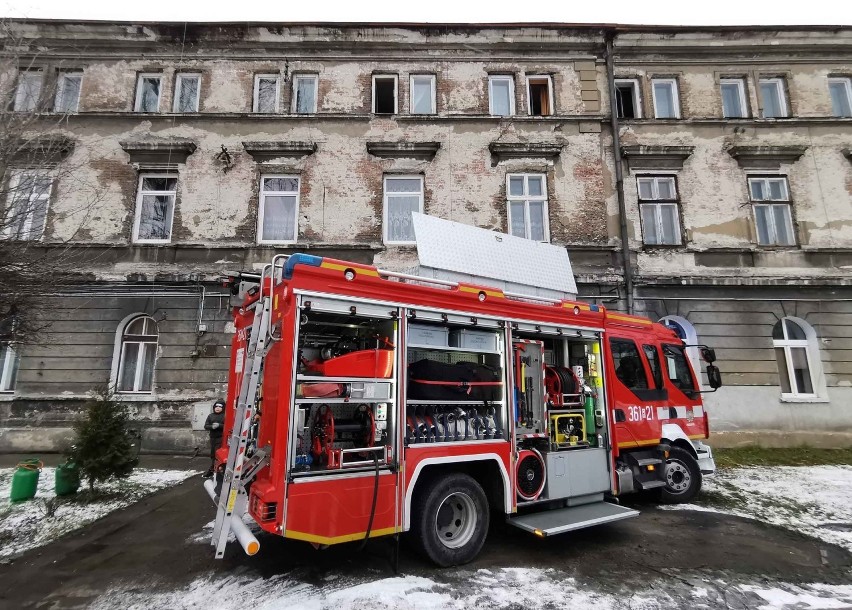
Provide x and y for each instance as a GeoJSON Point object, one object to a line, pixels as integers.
{"type": "Point", "coordinates": [619, 174]}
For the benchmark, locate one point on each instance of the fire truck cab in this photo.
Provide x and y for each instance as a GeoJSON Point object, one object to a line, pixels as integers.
{"type": "Point", "coordinates": [366, 403]}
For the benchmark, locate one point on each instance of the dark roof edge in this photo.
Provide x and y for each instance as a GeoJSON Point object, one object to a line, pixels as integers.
{"type": "Point", "coordinates": [618, 27]}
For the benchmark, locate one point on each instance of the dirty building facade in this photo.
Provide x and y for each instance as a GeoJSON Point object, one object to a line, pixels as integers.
{"type": "Point", "coordinates": [717, 199]}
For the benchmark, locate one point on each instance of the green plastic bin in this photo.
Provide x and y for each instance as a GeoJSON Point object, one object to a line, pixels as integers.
{"type": "Point", "coordinates": [67, 479]}
{"type": "Point", "coordinates": [25, 480]}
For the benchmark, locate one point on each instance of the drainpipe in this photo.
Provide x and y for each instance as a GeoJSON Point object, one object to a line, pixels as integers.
{"type": "Point", "coordinates": [619, 175]}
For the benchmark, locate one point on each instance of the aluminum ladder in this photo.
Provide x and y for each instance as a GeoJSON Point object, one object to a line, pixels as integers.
{"type": "Point", "coordinates": [232, 500]}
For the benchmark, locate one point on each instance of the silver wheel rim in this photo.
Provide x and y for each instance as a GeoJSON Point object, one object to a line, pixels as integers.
{"type": "Point", "coordinates": [678, 477]}
{"type": "Point", "coordinates": [455, 520]}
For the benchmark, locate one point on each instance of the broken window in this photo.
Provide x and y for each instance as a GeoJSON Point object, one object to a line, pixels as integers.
{"type": "Point", "coordinates": [68, 91]}
{"type": "Point", "coordinates": [279, 209]}
{"type": "Point", "coordinates": [501, 95]}
{"type": "Point", "coordinates": [148, 89]}
{"type": "Point", "coordinates": [403, 195]}
{"type": "Point", "coordinates": [772, 98]}
{"type": "Point", "coordinates": [771, 202]}
{"type": "Point", "coordinates": [305, 94]}
{"type": "Point", "coordinates": [659, 210]}
{"type": "Point", "coordinates": [27, 201]}
{"type": "Point", "coordinates": [266, 93]}
{"type": "Point", "coordinates": [28, 90]}
{"type": "Point", "coordinates": [627, 99]}
{"type": "Point", "coordinates": [187, 91]}
{"type": "Point", "coordinates": [137, 356]}
{"type": "Point", "coordinates": [539, 95]}
{"type": "Point", "coordinates": [384, 94]}
{"type": "Point", "coordinates": [733, 98]}
{"type": "Point", "coordinates": [155, 206]}
{"type": "Point", "coordinates": [8, 367]}
{"type": "Point", "coordinates": [841, 96]}
{"type": "Point", "coordinates": [666, 104]}
{"type": "Point", "coordinates": [422, 94]}
{"type": "Point", "coordinates": [527, 206]}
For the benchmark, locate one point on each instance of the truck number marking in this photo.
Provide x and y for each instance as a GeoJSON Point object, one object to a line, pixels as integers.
{"type": "Point", "coordinates": [640, 413]}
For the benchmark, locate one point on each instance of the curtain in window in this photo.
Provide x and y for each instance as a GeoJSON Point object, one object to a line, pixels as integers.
{"type": "Point", "coordinates": [501, 90]}
{"type": "Point", "coordinates": [69, 93]}
{"type": "Point", "coordinates": [279, 217]}
{"type": "Point", "coordinates": [771, 100]}
{"type": "Point", "coordinates": [841, 105]}
{"type": "Point", "coordinates": [150, 99]}
{"type": "Point", "coordinates": [422, 96]}
{"type": "Point", "coordinates": [536, 219]}
{"type": "Point", "coordinates": [155, 217]}
{"type": "Point", "coordinates": [664, 99]}
{"type": "Point", "coordinates": [400, 224]}
{"type": "Point", "coordinates": [731, 100]}
{"type": "Point", "coordinates": [267, 92]}
{"type": "Point", "coordinates": [29, 90]}
{"type": "Point", "coordinates": [305, 95]}
{"type": "Point", "coordinates": [188, 94]}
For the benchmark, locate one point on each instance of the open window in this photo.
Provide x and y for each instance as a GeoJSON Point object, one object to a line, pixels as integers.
{"type": "Point", "coordinates": [385, 93]}
{"type": "Point", "coordinates": [627, 101]}
{"type": "Point", "coordinates": [539, 95]}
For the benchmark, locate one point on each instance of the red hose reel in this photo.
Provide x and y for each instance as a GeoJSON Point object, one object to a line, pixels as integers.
{"type": "Point", "coordinates": [530, 474]}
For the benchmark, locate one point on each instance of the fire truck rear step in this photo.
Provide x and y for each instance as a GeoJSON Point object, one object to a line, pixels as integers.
{"type": "Point", "coordinates": [552, 522]}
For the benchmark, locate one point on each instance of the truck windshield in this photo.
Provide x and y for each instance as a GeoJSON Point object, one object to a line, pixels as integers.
{"type": "Point", "coordinates": [678, 368]}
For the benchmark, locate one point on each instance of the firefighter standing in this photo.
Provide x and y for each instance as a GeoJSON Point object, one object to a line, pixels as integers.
{"type": "Point", "coordinates": [215, 424]}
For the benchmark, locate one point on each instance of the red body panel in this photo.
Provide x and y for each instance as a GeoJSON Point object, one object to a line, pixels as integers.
{"type": "Point", "coordinates": [336, 507]}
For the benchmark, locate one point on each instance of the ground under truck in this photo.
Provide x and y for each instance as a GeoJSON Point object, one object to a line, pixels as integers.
{"type": "Point", "coordinates": [365, 403]}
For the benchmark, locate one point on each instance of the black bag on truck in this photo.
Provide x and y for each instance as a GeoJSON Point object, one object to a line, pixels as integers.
{"type": "Point", "coordinates": [430, 380]}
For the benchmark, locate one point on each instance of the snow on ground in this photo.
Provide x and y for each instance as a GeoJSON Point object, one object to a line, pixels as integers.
{"type": "Point", "coordinates": [814, 500]}
{"type": "Point", "coordinates": [500, 588]}
{"type": "Point", "coordinates": [26, 525]}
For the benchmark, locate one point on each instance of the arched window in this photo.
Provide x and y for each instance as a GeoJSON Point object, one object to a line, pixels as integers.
{"type": "Point", "coordinates": [797, 354]}
{"type": "Point", "coordinates": [136, 359]}
{"type": "Point", "coordinates": [8, 367]}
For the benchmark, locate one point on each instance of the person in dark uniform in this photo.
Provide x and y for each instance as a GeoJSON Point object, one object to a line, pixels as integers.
{"type": "Point", "coordinates": [215, 424]}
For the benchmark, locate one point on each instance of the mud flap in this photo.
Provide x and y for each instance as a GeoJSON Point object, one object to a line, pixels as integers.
{"type": "Point", "coordinates": [552, 522]}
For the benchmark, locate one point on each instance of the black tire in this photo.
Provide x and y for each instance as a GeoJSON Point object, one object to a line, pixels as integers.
{"type": "Point", "coordinates": [683, 477]}
{"type": "Point", "coordinates": [450, 519]}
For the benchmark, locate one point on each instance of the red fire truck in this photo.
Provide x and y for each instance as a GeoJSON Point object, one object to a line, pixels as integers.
{"type": "Point", "coordinates": [365, 403]}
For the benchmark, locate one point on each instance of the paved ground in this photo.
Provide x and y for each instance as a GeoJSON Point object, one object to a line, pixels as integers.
{"type": "Point", "coordinates": [149, 547]}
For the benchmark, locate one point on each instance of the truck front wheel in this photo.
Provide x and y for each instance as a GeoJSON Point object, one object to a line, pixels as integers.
{"type": "Point", "coordinates": [450, 520]}
{"type": "Point", "coordinates": [683, 477]}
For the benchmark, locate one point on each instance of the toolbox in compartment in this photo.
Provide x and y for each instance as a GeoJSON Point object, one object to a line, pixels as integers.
{"type": "Point", "coordinates": [423, 334]}
{"type": "Point", "coordinates": [476, 340]}
{"type": "Point", "coordinates": [431, 380]}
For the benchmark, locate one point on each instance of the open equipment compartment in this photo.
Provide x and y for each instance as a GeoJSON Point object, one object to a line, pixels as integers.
{"type": "Point", "coordinates": [344, 394]}
{"type": "Point", "coordinates": [455, 382]}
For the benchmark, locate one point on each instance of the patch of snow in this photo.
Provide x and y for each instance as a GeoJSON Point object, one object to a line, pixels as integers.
{"type": "Point", "coordinates": [25, 525]}
{"type": "Point", "coordinates": [814, 500]}
{"type": "Point", "coordinates": [807, 597]}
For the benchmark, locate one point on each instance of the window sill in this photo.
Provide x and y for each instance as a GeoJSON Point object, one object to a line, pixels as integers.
{"type": "Point", "coordinates": [135, 397]}
{"type": "Point", "coordinates": [792, 399]}
{"type": "Point", "coordinates": [7, 395]}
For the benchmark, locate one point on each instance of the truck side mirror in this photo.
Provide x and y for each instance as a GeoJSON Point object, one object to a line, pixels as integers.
{"type": "Point", "coordinates": [708, 354]}
{"type": "Point", "coordinates": [714, 377]}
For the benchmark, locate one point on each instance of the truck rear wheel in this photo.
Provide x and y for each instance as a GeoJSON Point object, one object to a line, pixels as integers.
{"type": "Point", "coordinates": [683, 477]}
{"type": "Point", "coordinates": [450, 520]}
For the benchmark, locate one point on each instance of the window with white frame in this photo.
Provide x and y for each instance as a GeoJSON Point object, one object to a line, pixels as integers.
{"type": "Point", "coordinates": [772, 98]}
{"type": "Point", "coordinates": [841, 96]}
{"type": "Point", "coordinates": [403, 195]}
{"type": "Point", "coordinates": [68, 84]}
{"type": "Point", "coordinates": [385, 94]}
{"type": "Point", "coordinates": [305, 93]}
{"type": "Point", "coordinates": [796, 350]}
{"type": "Point", "coordinates": [9, 361]}
{"type": "Point", "coordinates": [26, 204]}
{"type": "Point", "coordinates": [733, 92]}
{"type": "Point", "coordinates": [148, 91]}
{"type": "Point", "coordinates": [666, 102]}
{"type": "Point", "coordinates": [658, 204]}
{"type": "Point", "coordinates": [501, 95]}
{"type": "Point", "coordinates": [770, 197]}
{"type": "Point", "coordinates": [422, 94]}
{"type": "Point", "coordinates": [28, 90]}
{"type": "Point", "coordinates": [137, 356]}
{"type": "Point", "coordinates": [266, 89]}
{"type": "Point", "coordinates": [539, 95]}
{"type": "Point", "coordinates": [527, 206]}
{"type": "Point", "coordinates": [278, 217]}
{"type": "Point", "coordinates": [155, 208]}
{"type": "Point", "coordinates": [627, 102]}
{"type": "Point", "coordinates": [187, 92]}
